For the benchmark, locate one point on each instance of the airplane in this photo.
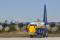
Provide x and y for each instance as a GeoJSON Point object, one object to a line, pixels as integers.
{"type": "Point", "coordinates": [21, 24]}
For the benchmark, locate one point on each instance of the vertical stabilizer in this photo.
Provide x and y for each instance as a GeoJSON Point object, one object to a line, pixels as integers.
{"type": "Point", "coordinates": [45, 15]}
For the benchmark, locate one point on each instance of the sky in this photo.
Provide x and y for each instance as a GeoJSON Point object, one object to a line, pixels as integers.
{"type": "Point", "coordinates": [29, 10]}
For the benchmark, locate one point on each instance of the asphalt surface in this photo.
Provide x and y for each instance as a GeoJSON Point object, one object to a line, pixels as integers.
{"type": "Point", "coordinates": [15, 38]}
{"type": "Point", "coordinates": [23, 34]}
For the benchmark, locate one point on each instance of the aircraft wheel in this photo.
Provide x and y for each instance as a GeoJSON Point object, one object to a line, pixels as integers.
{"type": "Point", "coordinates": [45, 35]}
{"type": "Point", "coordinates": [31, 36]}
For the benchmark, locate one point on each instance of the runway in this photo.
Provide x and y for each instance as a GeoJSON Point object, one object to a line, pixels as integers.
{"type": "Point", "coordinates": [22, 34]}
{"type": "Point", "coordinates": [15, 38]}
{"type": "Point", "coordinates": [25, 36]}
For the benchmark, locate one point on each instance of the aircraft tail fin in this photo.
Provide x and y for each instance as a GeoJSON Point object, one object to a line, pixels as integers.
{"type": "Point", "coordinates": [45, 15]}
